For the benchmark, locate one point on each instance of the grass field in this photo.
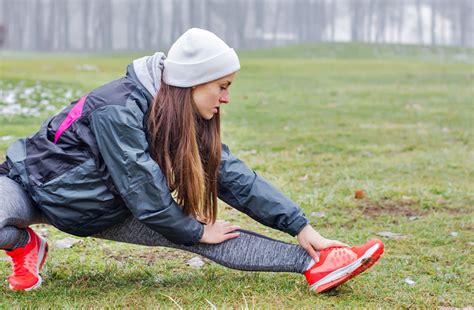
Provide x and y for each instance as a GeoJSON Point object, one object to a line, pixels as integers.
{"type": "Point", "coordinates": [319, 122]}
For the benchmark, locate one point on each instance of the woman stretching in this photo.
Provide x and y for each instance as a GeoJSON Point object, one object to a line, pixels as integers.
{"type": "Point", "coordinates": [140, 160]}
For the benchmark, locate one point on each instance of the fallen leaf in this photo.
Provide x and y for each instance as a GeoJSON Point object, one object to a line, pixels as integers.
{"type": "Point", "coordinates": [195, 262]}
{"type": "Point", "coordinates": [390, 235]}
{"type": "Point", "coordinates": [66, 243]}
{"type": "Point", "coordinates": [359, 194]}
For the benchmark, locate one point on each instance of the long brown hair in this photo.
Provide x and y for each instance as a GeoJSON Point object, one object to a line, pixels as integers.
{"type": "Point", "coordinates": [188, 150]}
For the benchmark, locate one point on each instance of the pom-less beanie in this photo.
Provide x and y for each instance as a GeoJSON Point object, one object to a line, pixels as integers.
{"type": "Point", "coordinates": [197, 57]}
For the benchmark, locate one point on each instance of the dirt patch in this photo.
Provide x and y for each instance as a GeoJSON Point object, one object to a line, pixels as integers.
{"type": "Point", "coordinates": [402, 207]}
{"type": "Point", "coordinates": [456, 211]}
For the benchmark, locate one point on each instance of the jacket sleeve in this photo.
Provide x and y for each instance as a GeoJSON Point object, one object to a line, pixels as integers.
{"type": "Point", "coordinates": [243, 189]}
{"type": "Point", "coordinates": [138, 178]}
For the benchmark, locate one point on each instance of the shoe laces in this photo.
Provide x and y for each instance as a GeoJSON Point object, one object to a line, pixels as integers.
{"type": "Point", "coordinates": [341, 256]}
{"type": "Point", "coordinates": [24, 264]}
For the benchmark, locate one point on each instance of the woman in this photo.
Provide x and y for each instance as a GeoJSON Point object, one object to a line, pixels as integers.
{"type": "Point", "coordinates": [140, 160]}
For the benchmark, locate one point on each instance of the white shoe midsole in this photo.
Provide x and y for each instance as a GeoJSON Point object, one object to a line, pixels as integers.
{"type": "Point", "coordinates": [41, 254]}
{"type": "Point", "coordinates": [347, 269]}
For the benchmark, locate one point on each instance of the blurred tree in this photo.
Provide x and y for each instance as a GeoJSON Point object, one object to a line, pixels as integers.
{"type": "Point", "coordinates": [132, 24]}
{"type": "Point", "coordinates": [419, 21]}
{"type": "Point", "coordinates": [94, 25]}
{"type": "Point", "coordinates": [433, 22]}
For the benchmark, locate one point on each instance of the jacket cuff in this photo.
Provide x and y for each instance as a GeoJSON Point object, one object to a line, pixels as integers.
{"type": "Point", "coordinates": [197, 237]}
{"type": "Point", "coordinates": [297, 226]}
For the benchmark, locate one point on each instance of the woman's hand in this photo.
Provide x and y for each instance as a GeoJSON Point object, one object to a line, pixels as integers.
{"type": "Point", "coordinates": [218, 232]}
{"type": "Point", "coordinates": [312, 241]}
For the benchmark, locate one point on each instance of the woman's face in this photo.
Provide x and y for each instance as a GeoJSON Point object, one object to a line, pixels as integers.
{"type": "Point", "coordinates": [209, 96]}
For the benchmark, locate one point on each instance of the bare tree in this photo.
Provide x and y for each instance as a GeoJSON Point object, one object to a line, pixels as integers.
{"type": "Point", "coordinates": [159, 22]}
{"type": "Point", "coordinates": [369, 20]}
{"type": "Point", "coordinates": [151, 24]}
{"type": "Point", "coordinates": [321, 20]}
{"type": "Point", "coordinates": [466, 10]}
{"type": "Point", "coordinates": [106, 24]}
{"type": "Point", "coordinates": [176, 19]}
{"type": "Point", "coordinates": [332, 18]}
{"type": "Point", "coordinates": [276, 22]}
{"type": "Point", "coordinates": [355, 12]}
{"type": "Point", "coordinates": [132, 25]}
{"type": "Point", "coordinates": [85, 24]}
{"type": "Point", "coordinates": [419, 21]}
{"type": "Point", "coordinates": [259, 17]}
{"type": "Point", "coordinates": [62, 24]}
{"type": "Point", "coordinates": [381, 21]}
{"type": "Point", "coordinates": [400, 21]}
{"type": "Point", "coordinates": [433, 22]}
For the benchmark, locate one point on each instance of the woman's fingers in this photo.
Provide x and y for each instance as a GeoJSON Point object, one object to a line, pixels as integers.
{"type": "Point", "coordinates": [231, 236]}
{"type": "Point", "coordinates": [312, 252]}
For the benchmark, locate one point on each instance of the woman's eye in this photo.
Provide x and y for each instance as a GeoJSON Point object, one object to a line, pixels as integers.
{"type": "Point", "coordinates": [222, 88]}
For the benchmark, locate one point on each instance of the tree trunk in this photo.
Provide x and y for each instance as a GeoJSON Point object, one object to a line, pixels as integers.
{"type": "Point", "coordinates": [433, 22]}
{"type": "Point", "coordinates": [419, 22]}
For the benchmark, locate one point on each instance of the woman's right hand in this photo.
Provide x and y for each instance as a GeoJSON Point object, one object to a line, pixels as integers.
{"type": "Point", "coordinates": [312, 241]}
{"type": "Point", "coordinates": [218, 232]}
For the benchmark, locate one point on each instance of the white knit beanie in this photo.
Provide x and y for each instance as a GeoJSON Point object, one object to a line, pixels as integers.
{"type": "Point", "coordinates": [197, 57]}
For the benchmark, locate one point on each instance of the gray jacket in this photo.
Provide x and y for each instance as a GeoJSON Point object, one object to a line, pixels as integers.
{"type": "Point", "coordinates": [88, 168]}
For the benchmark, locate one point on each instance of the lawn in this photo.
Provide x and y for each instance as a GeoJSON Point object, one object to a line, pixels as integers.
{"type": "Point", "coordinates": [319, 122]}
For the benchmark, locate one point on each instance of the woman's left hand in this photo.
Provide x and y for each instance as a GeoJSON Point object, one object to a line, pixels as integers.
{"type": "Point", "coordinates": [312, 241]}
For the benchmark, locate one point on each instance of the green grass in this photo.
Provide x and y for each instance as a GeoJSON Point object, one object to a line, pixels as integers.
{"type": "Point", "coordinates": [319, 122]}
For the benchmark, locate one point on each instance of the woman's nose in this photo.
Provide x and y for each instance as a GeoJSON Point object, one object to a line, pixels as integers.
{"type": "Point", "coordinates": [225, 98]}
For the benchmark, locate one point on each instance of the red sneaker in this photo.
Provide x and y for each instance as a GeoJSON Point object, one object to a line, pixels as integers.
{"type": "Point", "coordinates": [338, 264]}
{"type": "Point", "coordinates": [27, 263]}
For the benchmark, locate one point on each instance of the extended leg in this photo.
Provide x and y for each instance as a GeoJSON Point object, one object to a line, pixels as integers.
{"type": "Point", "coordinates": [250, 251]}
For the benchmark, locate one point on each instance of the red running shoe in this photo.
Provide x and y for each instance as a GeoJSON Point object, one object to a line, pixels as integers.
{"type": "Point", "coordinates": [338, 264]}
{"type": "Point", "coordinates": [27, 263]}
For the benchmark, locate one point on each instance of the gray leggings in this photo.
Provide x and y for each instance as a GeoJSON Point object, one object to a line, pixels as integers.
{"type": "Point", "coordinates": [250, 251]}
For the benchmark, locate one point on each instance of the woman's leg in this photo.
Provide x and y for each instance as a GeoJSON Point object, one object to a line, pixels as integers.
{"type": "Point", "coordinates": [250, 251]}
{"type": "Point", "coordinates": [16, 213]}
{"type": "Point", "coordinates": [26, 249]}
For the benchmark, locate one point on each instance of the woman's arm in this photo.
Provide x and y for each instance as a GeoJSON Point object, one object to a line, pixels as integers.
{"type": "Point", "coordinates": [243, 189]}
{"type": "Point", "coordinates": [137, 177]}
{"type": "Point", "coordinates": [312, 241]}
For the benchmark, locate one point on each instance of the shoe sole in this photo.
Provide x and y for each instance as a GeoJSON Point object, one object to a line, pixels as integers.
{"type": "Point", "coordinates": [43, 252]}
{"type": "Point", "coordinates": [348, 272]}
